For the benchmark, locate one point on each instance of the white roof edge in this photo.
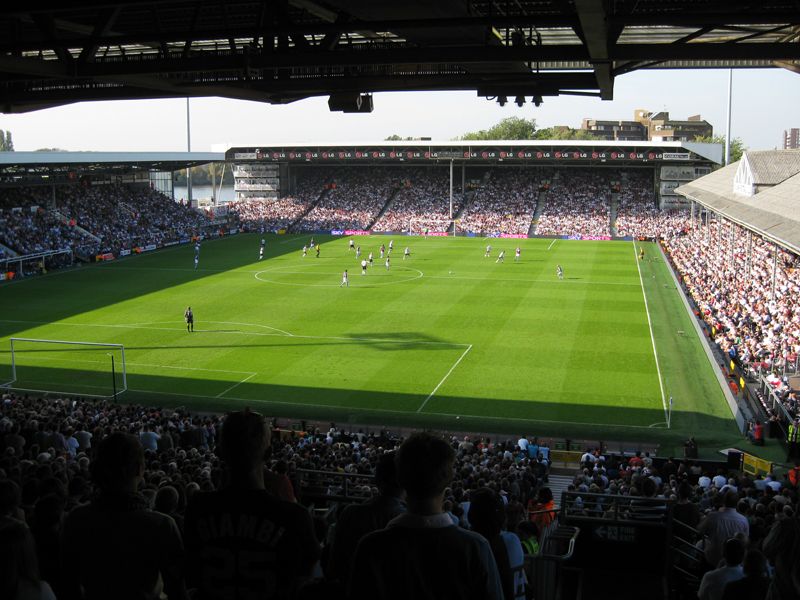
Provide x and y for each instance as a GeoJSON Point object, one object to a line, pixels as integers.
{"type": "Point", "coordinates": [108, 157]}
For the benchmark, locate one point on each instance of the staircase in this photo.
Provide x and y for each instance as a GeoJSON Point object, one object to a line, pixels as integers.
{"type": "Point", "coordinates": [65, 221]}
{"type": "Point", "coordinates": [469, 197]}
{"type": "Point", "coordinates": [613, 215]}
{"type": "Point", "coordinates": [7, 252]}
{"type": "Point", "coordinates": [557, 485]}
{"type": "Point", "coordinates": [540, 204]}
{"type": "Point", "coordinates": [308, 210]}
{"type": "Point", "coordinates": [387, 205]}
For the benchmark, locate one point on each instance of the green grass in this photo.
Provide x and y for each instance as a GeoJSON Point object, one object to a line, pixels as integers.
{"type": "Point", "coordinates": [445, 339]}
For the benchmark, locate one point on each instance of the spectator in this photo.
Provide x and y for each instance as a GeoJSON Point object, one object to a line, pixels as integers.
{"type": "Point", "coordinates": [421, 554]}
{"type": "Point", "coordinates": [721, 525]}
{"type": "Point", "coordinates": [782, 548]}
{"type": "Point", "coordinates": [713, 583]}
{"type": "Point", "coordinates": [125, 549]}
{"type": "Point", "coordinates": [487, 516]}
{"type": "Point", "coordinates": [357, 520]}
{"type": "Point", "coordinates": [267, 546]}
{"type": "Point", "coordinates": [19, 573]}
{"type": "Point", "coordinates": [755, 583]}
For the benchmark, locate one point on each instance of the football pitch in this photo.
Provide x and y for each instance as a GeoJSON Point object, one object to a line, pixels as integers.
{"type": "Point", "coordinates": [446, 338]}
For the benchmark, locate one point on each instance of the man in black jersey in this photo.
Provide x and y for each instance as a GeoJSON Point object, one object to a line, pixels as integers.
{"type": "Point", "coordinates": [242, 542]}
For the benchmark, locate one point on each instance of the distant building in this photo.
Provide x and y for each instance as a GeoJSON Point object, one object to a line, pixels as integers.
{"type": "Point", "coordinates": [623, 131]}
{"type": "Point", "coordinates": [656, 127]}
{"type": "Point", "coordinates": [791, 139]}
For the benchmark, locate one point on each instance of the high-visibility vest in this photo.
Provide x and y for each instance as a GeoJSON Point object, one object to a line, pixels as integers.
{"type": "Point", "coordinates": [794, 433]}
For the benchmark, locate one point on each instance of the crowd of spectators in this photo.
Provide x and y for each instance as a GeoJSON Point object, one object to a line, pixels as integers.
{"type": "Point", "coordinates": [28, 227]}
{"type": "Point", "coordinates": [711, 510]}
{"type": "Point", "coordinates": [746, 321]}
{"type": "Point", "coordinates": [272, 215]}
{"type": "Point", "coordinates": [92, 219]}
{"type": "Point", "coordinates": [506, 204]}
{"type": "Point", "coordinates": [128, 216]}
{"type": "Point", "coordinates": [50, 468]}
{"type": "Point", "coordinates": [48, 449]}
{"type": "Point", "coordinates": [421, 204]}
{"type": "Point", "coordinates": [577, 203]}
{"type": "Point", "coordinates": [354, 199]}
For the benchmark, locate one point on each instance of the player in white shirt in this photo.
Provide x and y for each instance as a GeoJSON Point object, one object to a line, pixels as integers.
{"type": "Point", "coordinates": [383, 250]}
{"type": "Point", "coordinates": [345, 281]}
{"type": "Point", "coordinates": [516, 254]}
{"type": "Point", "coordinates": [352, 245]}
{"type": "Point", "coordinates": [559, 272]}
{"type": "Point", "coordinates": [363, 266]}
{"type": "Point", "coordinates": [387, 263]}
{"type": "Point", "coordinates": [406, 253]}
{"type": "Point", "coordinates": [261, 253]}
{"type": "Point", "coordinates": [501, 257]}
{"type": "Point", "coordinates": [305, 251]}
{"type": "Point", "coordinates": [358, 252]}
{"type": "Point", "coordinates": [371, 258]}
{"type": "Point", "coordinates": [488, 252]}
{"type": "Point", "coordinates": [391, 246]}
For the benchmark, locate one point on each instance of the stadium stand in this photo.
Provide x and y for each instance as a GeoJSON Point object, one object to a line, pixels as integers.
{"type": "Point", "coordinates": [272, 215]}
{"type": "Point", "coordinates": [49, 450]}
{"type": "Point", "coordinates": [93, 220]}
{"type": "Point", "coordinates": [354, 200]}
{"type": "Point", "coordinates": [505, 205]}
{"type": "Point", "coordinates": [421, 204]}
{"type": "Point", "coordinates": [577, 203]}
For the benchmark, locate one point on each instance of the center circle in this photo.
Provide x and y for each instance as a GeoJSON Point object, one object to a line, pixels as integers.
{"type": "Point", "coordinates": [335, 278]}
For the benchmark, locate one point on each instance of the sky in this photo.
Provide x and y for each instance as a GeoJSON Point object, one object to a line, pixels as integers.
{"type": "Point", "coordinates": [765, 102]}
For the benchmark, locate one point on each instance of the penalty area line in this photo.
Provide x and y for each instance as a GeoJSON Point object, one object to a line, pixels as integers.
{"type": "Point", "coordinates": [235, 385]}
{"type": "Point", "coordinates": [551, 243]}
{"type": "Point", "coordinates": [436, 389]}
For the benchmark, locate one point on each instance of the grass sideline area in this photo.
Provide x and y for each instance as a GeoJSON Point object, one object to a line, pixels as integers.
{"type": "Point", "coordinates": [446, 339]}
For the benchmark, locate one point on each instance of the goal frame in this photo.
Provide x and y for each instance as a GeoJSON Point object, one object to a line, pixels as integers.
{"type": "Point", "coordinates": [121, 368]}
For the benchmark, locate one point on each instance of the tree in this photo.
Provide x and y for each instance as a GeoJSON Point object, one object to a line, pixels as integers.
{"type": "Point", "coordinates": [511, 128]}
{"type": "Point", "coordinates": [6, 145]}
{"type": "Point", "coordinates": [202, 175]}
{"type": "Point", "coordinates": [565, 133]}
{"type": "Point", "coordinates": [737, 145]}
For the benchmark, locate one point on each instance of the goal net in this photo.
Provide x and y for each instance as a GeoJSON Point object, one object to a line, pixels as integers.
{"type": "Point", "coordinates": [65, 367]}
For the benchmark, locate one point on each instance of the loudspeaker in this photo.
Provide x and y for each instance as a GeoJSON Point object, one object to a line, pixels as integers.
{"type": "Point", "coordinates": [734, 460]}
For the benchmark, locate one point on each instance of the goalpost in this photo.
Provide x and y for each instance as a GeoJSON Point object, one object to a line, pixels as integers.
{"type": "Point", "coordinates": [92, 369]}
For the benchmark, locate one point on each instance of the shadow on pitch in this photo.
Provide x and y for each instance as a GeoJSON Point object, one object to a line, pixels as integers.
{"type": "Point", "coordinates": [581, 420]}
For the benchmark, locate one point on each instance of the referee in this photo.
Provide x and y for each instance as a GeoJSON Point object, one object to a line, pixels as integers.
{"type": "Point", "coordinates": [189, 318]}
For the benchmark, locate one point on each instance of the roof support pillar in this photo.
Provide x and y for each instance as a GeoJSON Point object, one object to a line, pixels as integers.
{"type": "Point", "coordinates": [774, 269]}
{"type": "Point", "coordinates": [749, 261]}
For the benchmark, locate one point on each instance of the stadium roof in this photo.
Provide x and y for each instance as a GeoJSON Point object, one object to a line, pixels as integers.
{"type": "Point", "coordinates": [773, 212]}
{"type": "Point", "coordinates": [50, 168]}
{"type": "Point", "coordinates": [55, 53]}
{"type": "Point", "coordinates": [155, 161]}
